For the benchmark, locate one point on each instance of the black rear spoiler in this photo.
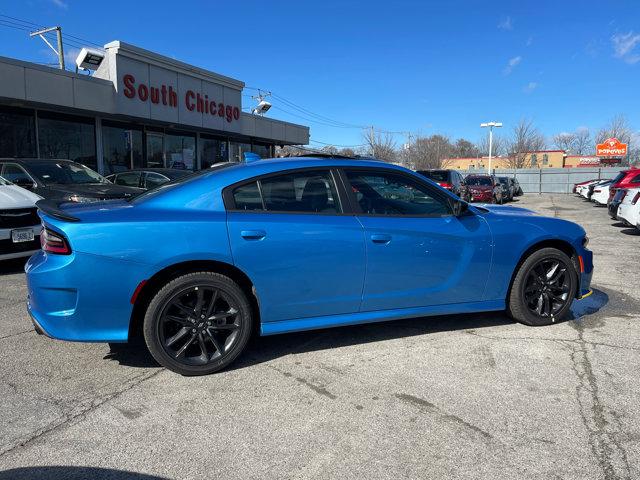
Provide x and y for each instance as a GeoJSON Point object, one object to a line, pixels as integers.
{"type": "Point", "coordinates": [52, 208]}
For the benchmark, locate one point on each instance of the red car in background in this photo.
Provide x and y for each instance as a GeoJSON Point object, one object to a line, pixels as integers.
{"type": "Point", "coordinates": [625, 179]}
{"type": "Point", "coordinates": [484, 188]}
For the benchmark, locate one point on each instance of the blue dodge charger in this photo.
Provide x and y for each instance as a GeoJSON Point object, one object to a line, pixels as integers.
{"type": "Point", "coordinates": [286, 245]}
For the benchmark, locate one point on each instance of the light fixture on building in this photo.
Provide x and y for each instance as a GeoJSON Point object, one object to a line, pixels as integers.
{"type": "Point", "coordinates": [263, 106]}
{"type": "Point", "coordinates": [89, 59]}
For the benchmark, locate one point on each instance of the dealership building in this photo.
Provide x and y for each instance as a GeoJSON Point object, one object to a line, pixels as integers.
{"type": "Point", "coordinates": [137, 109]}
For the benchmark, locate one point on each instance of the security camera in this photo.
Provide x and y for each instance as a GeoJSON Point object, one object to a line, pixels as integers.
{"type": "Point", "coordinates": [89, 59]}
{"type": "Point", "coordinates": [261, 108]}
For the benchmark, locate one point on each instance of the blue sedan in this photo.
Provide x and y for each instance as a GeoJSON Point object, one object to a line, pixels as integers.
{"type": "Point", "coordinates": [288, 245]}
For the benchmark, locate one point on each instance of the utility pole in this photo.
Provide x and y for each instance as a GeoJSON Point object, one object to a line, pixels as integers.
{"type": "Point", "coordinates": [490, 125]}
{"type": "Point", "coordinates": [60, 51]}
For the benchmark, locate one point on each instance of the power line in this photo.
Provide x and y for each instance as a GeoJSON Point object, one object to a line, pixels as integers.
{"type": "Point", "coordinates": [33, 24]}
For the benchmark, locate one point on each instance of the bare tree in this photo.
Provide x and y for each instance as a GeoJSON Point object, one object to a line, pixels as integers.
{"type": "Point", "coordinates": [565, 141]}
{"type": "Point", "coordinates": [380, 145]}
{"type": "Point", "coordinates": [525, 138]}
{"type": "Point", "coordinates": [498, 146]}
{"type": "Point", "coordinates": [465, 149]}
{"type": "Point", "coordinates": [583, 143]}
{"type": "Point", "coordinates": [428, 152]}
{"type": "Point", "coordinates": [618, 128]}
{"type": "Point", "coordinates": [347, 152]}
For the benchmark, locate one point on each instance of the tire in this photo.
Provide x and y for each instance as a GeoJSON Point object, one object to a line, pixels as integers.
{"type": "Point", "coordinates": [523, 300]}
{"type": "Point", "coordinates": [174, 337]}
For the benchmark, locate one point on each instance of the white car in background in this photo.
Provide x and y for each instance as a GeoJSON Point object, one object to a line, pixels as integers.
{"type": "Point", "coordinates": [19, 221]}
{"type": "Point", "coordinates": [583, 189]}
{"type": "Point", "coordinates": [601, 193]}
{"type": "Point", "coordinates": [629, 208]}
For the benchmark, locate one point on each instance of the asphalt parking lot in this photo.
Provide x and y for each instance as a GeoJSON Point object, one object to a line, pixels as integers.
{"type": "Point", "coordinates": [466, 396]}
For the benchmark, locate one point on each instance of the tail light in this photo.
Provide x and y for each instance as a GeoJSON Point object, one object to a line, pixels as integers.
{"type": "Point", "coordinates": [445, 185]}
{"type": "Point", "coordinates": [635, 198]}
{"type": "Point", "coordinates": [54, 242]}
{"type": "Point", "coordinates": [622, 195]}
{"type": "Point", "coordinates": [597, 191]}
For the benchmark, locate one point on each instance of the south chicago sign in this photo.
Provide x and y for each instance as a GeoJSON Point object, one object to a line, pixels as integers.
{"type": "Point", "coordinates": [168, 95]}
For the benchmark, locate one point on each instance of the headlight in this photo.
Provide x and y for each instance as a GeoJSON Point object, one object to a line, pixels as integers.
{"type": "Point", "coordinates": [79, 199]}
{"type": "Point", "coordinates": [585, 241]}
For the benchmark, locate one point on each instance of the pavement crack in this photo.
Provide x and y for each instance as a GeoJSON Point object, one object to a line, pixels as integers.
{"type": "Point", "coordinates": [607, 449]}
{"type": "Point", "coordinates": [427, 406]}
{"type": "Point", "coordinates": [77, 414]}
{"type": "Point", "coordinates": [16, 334]}
{"type": "Point", "coordinates": [319, 389]}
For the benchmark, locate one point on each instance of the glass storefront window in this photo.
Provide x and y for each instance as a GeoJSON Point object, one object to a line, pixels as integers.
{"type": "Point", "coordinates": [262, 149]}
{"type": "Point", "coordinates": [212, 151]}
{"type": "Point", "coordinates": [236, 151]}
{"type": "Point", "coordinates": [122, 148]}
{"type": "Point", "coordinates": [17, 133]}
{"type": "Point", "coordinates": [66, 137]}
{"type": "Point", "coordinates": [180, 151]}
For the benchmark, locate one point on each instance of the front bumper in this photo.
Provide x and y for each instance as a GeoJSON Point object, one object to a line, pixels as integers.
{"type": "Point", "coordinates": [485, 197]}
{"type": "Point", "coordinates": [81, 297]}
{"type": "Point", "coordinates": [586, 272]}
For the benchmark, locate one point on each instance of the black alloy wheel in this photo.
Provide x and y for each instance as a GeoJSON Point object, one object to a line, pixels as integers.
{"type": "Point", "coordinates": [198, 323]}
{"type": "Point", "coordinates": [543, 288]}
{"type": "Point", "coordinates": [546, 288]}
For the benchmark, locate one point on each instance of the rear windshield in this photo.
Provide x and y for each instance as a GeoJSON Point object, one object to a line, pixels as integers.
{"type": "Point", "coordinates": [436, 175]}
{"type": "Point", "coordinates": [619, 177]}
{"type": "Point", "coordinates": [178, 181]}
{"type": "Point", "coordinates": [483, 181]}
{"type": "Point", "coordinates": [65, 173]}
{"type": "Point", "coordinates": [503, 180]}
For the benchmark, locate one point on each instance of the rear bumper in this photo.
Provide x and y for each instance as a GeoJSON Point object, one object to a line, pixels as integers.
{"type": "Point", "coordinates": [81, 297]}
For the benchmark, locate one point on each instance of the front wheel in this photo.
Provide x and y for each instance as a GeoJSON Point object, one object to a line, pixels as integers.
{"type": "Point", "coordinates": [543, 288]}
{"type": "Point", "coordinates": [198, 323]}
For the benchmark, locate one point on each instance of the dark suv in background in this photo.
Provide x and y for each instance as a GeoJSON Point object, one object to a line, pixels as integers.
{"type": "Point", "coordinates": [62, 180]}
{"type": "Point", "coordinates": [449, 179]}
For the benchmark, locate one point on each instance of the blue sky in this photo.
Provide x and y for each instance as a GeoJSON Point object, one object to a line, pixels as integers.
{"type": "Point", "coordinates": [425, 67]}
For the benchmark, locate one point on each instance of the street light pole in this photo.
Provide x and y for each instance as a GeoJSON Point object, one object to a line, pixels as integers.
{"type": "Point", "coordinates": [490, 125]}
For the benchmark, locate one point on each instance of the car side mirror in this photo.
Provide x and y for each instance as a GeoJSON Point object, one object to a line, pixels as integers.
{"type": "Point", "coordinates": [459, 207]}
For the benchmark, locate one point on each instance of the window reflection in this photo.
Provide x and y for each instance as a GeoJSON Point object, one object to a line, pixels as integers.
{"type": "Point", "coordinates": [122, 148]}
{"type": "Point", "coordinates": [17, 133]}
{"type": "Point", "coordinates": [67, 138]}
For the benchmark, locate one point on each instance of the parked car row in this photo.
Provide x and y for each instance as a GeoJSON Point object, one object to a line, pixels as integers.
{"type": "Point", "coordinates": [476, 187]}
{"type": "Point", "coordinates": [23, 182]}
{"type": "Point", "coordinates": [621, 195]}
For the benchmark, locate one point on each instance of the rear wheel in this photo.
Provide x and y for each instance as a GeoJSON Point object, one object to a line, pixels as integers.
{"type": "Point", "coordinates": [198, 323]}
{"type": "Point", "coordinates": [543, 289]}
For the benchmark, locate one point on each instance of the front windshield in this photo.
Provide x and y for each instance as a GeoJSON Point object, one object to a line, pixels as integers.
{"type": "Point", "coordinates": [481, 181]}
{"type": "Point", "coordinates": [65, 173]}
{"type": "Point", "coordinates": [503, 180]}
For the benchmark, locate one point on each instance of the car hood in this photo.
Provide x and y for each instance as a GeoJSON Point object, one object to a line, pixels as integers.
{"type": "Point", "coordinates": [13, 196]}
{"type": "Point", "coordinates": [92, 190]}
{"type": "Point", "coordinates": [482, 188]}
{"type": "Point", "coordinates": [507, 210]}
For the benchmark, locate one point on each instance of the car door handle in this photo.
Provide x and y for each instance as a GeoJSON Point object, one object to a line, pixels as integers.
{"type": "Point", "coordinates": [380, 238]}
{"type": "Point", "coordinates": [253, 234]}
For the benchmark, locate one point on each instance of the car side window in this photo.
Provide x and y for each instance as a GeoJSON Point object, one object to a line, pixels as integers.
{"type": "Point", "coordinates": [128, 179]}
{"type": "Point", "coordinates": [635, 179]}
{"type": "Point", "coordinates": [389, 193]}
{"type": "Point", "coordinates": [308, 191]}
{"type": "Point", "coordinates": [15, 174]}
{"type": "Point", "coordinates": [154, 179]}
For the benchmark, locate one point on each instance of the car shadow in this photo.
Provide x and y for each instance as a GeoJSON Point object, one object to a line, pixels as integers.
{"type": "Point", "coordinates": [13, 266]}
{"type": "Point", "coordinates": [631, 231]}
{"type": "Point", "coordinates": [619, 224]}
{"type": "Point", "coordinates": [264, 349]}
{"type": "Point", "coordinates": [68, 472]}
